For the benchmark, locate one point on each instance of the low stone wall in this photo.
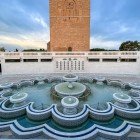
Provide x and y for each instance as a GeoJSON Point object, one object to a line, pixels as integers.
{"type": "Point", "coordinates": [91, 133]}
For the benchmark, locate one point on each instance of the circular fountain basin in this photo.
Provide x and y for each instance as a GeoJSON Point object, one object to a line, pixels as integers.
{"type": "Point", "coordinates": [135, 93]}
{"type": "Point", "coordinates": [70, 89]}
{"type": "Point", "coordinates": [134, 85]}
{"type": "Point", "coordinates": [40, 79]}
{"type": "Point", "coordinates": [6, 85]}
{"type": "Point", "coordinates": [122, 98]}
{"type": "Point", "coordinates": [18, 98]}
{"type": "Point", "coordinates": [70, 102]}
{"type": "Point", "coordinates": [100, 80]}
{"type": "Point", "coordinates": [70, 78]}
{"type": "Point", "coordinates": [70, 105]}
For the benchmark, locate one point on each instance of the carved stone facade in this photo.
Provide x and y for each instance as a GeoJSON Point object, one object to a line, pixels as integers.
{"type": "Point", "coordinates": [69, 25]}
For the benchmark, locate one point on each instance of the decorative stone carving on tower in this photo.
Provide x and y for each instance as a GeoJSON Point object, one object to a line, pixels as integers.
{"type": "Point", "coordinates": [69, 25]}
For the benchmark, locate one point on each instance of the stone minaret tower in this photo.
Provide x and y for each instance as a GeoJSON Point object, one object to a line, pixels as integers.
{"type": "Point", "coordinates": [69, 25]}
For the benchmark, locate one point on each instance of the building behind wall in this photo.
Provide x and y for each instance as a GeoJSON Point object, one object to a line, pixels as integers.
{"type": "Point", "coordinates": [69, 25]}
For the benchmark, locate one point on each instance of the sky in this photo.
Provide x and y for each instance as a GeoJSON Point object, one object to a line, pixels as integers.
{"type": "Point", "coordinates": [24, 24]}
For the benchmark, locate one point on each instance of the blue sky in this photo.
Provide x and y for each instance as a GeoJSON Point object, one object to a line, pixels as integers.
{"type": "Point", "coordinates": [25, 23]}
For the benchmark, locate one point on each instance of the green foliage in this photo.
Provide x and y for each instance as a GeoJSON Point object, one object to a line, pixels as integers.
{"type": "Point", "coordinates": [98, 49]}
{"type": "Point", "coordinates": [130, 46]}
{"type": "Point", "coordinates": [16, 50]}
{"type": "Point", "coordinates": [101, 49]}
{"type": "Point", "coordinates": [2, 49]}
{"type": "Point", "coordinates": [34, 50]}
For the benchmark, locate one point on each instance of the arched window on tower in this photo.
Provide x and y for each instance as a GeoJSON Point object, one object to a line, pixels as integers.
{"type": "Point", "coordinates": [70, 8]}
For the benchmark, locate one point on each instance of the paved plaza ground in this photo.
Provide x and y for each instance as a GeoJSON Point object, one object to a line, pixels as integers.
{"type": "Point", "coordinates": [16, 78]}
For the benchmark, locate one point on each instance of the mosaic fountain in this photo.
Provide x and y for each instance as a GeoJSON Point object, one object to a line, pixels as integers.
{"type": "Point", "coordinates": [111, 107]}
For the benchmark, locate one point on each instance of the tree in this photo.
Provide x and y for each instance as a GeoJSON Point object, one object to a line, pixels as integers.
{"type": "Point", "coordinates": [2, 49]}
{"type": "Point", "coordinates": [16, 50]}
{"type": "Point", "coordinates": [101, 49]}
{"type": "Point", "coordinates": [98, 49]}
{"type": "Point", "coordinates": [42, 50]}
{"type": "Point", "coordinates": [130, 46]}
{"type": "Point", "coordinates": [34, 50]}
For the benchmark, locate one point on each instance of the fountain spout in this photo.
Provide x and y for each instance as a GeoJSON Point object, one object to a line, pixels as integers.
{"type": "Point", "coordinates": [70, 85]}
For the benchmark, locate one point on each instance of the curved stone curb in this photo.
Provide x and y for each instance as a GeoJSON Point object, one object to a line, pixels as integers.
{"type": "Point", "coordinates": [92, 132]}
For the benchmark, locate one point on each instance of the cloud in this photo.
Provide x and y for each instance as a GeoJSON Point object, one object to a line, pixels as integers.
{"type": "Point", "coordinates": [115, 20]}
{"type": "Point", "coordinates": [99, 42]}
{"type": "Point", "coordinates": [22, 25]}
{"type": "Point", "coordinates": [33, 40]}
{"type": "Point", "coordinates": [25, 23]}
{"type": "Point", "coordinates": [40, 20]}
